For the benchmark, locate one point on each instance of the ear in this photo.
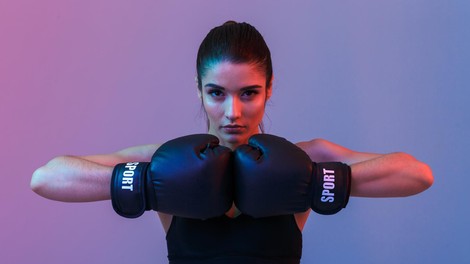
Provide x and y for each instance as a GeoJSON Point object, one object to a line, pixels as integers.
{"type": "Point", "coordinates": [199, 94]}
{"type": "Point", "coordinates": [269, 89]}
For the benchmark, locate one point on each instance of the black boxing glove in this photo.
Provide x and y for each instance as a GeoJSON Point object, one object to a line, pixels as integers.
{"type": "Point", "coordinates": [190, 176]}
{"type": "Point", "coordinates": [275, 177]}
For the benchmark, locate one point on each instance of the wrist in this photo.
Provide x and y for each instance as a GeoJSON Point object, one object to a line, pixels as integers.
{"type": "Point", "coordinates": [128, 189]}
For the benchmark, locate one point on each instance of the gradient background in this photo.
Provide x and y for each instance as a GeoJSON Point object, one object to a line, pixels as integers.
{"type": "Point", "coordinates": [86, 77]}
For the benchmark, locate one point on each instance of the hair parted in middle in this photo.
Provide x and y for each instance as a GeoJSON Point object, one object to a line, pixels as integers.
{"type": "Point", "coordinates": [237, 43]}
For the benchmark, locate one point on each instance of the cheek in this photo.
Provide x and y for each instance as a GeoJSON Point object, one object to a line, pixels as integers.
{"type": "Point", "coordinates": [212, 109]}
{"type": "Point", "coordinates": [256, 110]}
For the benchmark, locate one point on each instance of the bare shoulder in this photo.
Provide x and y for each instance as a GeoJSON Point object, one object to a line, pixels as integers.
{"type": "Point", "coordinates": [141, 153]}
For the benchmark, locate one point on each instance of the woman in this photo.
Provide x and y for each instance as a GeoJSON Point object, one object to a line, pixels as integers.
{"type": "Point", "coordinates": [234, 79]}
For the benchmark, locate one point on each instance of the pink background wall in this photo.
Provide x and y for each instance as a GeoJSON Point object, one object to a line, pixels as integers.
{"type": "Point", "coordinates": [83, 77]}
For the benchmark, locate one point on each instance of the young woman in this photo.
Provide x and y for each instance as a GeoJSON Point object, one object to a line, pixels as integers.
{"type": "Point", "coordinates": [234, 77]}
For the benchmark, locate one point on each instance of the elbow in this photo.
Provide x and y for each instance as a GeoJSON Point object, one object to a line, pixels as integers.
{"type": "Point", "coordinates": [426, 178]}
{"type": "Point", "coordinates": [416, 176]}
{"type": "Point", "coordinates": [420, 175]}
{"type": "Point", "coordinates": [39, 181]}
{"type": "Point", "coordinates": [43, 178]}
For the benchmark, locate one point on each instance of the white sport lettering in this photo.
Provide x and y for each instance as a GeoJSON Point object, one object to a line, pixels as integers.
{"type": "Point", "coordinates": [128, 174]}
{"type": "Point", "coordinates": [130, 167]}
{"type": "Point", "coordinates": [328, 184]}
{"type": "Point", "coordinates": [127, 179]}
{"type": "Point", "coordinates": [128, 187]}
{"type": "Point", "coordinates": [327, 199]}
{"type": "Point", "coordinates": [329, 178]}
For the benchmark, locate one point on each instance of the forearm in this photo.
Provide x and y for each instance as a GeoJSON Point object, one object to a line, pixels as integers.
{"type": "Point", "coordinates": [72, 179]}
{"type": "Point", "coordinates": [390, 175]}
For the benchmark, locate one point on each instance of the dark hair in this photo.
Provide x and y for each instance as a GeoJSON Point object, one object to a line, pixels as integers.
{"type": "Point", "coordinates": [237, 43]}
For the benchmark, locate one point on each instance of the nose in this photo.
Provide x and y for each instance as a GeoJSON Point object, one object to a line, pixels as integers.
{"type": "Point", "coordinates": [233, 108]}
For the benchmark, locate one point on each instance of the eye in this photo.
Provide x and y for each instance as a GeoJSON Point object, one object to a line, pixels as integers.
{"type": "Point", "coordinates": [215, 93]}
{"type": "Point", "coordinates": [250, 93]}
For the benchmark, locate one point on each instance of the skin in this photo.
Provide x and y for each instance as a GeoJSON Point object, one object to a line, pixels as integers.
{"type": "Point", "coordinates": [234, 97]}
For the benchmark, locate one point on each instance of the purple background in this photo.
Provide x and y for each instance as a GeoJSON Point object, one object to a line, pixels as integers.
{"type": "Point", "coordinates": [83, 77]}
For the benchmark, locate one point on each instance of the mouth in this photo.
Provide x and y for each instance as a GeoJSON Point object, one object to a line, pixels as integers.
{"type": "Point", "coordinates": [233, 129]}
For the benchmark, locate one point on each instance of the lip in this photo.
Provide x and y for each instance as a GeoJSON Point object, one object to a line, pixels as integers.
{"type": "Point", "coordinates": [233, 129]}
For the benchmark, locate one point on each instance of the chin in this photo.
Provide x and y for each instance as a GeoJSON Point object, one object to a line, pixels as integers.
{"type": "Point", "coordinates": [234, 140]}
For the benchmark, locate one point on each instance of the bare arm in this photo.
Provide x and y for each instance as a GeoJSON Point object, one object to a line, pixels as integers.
{"type": "Point", "coordinates": [375, 175]}
{"type": "Point", "coordinates": [85, 178]}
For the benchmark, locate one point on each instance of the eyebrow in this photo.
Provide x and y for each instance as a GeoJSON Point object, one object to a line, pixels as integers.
{"type": "Point", "coordinates": [211, 85]}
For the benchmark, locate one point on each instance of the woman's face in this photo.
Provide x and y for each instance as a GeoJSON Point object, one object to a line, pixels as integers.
{"type": "Point", "coordinates": [234, 97]}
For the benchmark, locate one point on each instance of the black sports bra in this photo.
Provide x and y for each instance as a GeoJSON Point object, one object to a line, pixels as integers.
{"type": "Point", "coordinates": [243, 239]}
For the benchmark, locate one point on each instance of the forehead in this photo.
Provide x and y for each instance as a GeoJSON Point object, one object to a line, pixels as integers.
{"type": "Point", "coordinates": [229, 74]}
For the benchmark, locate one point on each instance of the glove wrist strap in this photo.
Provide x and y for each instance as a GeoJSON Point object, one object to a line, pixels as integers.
{"type": "Point", "coordinates": [332, 187]}
{"type": "Point", "coordinates": [127, 189]}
